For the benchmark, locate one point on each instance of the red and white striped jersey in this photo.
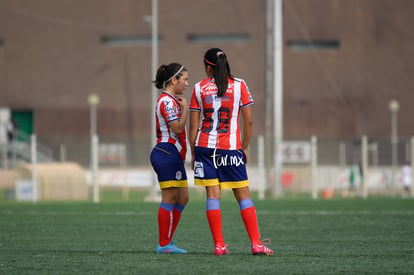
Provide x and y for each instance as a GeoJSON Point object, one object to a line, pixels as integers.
{"type": "Point", "coordinates": [167, 111]}
{"type": "Point", "coordinates": [220, 115]}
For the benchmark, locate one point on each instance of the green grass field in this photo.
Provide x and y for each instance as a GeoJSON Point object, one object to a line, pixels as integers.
{"type": "Point", "coordinates": [113, 237]}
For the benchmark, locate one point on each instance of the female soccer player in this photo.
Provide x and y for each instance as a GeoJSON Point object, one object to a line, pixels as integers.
{"type": "Point", "coordinates": [168, 155]}
{"type": "Point", "coordinates": [219, 155]}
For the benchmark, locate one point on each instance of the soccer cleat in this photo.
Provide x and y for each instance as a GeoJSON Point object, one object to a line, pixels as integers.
{"type": "Point", "coordinates": [170, 248]}
{"type": "Point", "coordinates": [221, 249]}
{"type": "Point", "coordinates": [261, 249]}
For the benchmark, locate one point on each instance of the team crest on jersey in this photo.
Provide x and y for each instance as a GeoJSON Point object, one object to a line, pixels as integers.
{"type": "Point", "coordinates": [209, 99]}
{"type": "Point", "coordinates": [178, 175]}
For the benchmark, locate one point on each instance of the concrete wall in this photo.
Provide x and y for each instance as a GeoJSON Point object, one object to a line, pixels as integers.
{"type": "Point", "coordinates": [53, 57]}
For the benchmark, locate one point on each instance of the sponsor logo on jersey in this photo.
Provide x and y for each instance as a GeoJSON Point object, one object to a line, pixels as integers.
{"type": "Point", "coordinates": [209, 89]}
{"type": "Point", "coordinates": [170, 108]}
{"type": "Point", "coordinates": [225, 98]}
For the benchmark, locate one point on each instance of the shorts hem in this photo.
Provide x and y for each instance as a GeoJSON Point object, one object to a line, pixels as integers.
{"type": "Point", "coordinates": [234, 184]}
{"type": "Point", "coordinates": [173, 183]}
{"type": "Point", "coordinates": [206, 182]}
{"type": "Point", "coordinates": [223, 185]}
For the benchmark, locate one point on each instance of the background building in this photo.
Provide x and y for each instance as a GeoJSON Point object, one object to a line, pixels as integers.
{"type": "Point", "coordinates": [344, 60]}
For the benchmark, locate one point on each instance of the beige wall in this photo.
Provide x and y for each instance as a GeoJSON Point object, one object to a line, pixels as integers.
{"type": "Point", "coordinates": [53, 58]}
{"type": "Point", "coordinates": [345, 93]}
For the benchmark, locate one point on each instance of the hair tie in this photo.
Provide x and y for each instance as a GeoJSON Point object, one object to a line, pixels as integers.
{"type": "Point", "coordinates": [220, 53]}
{"type": "Point", "coordinates": [211, 63]}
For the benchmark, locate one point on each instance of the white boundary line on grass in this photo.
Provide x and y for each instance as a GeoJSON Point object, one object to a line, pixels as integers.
{"type": "Point", "coordinates": [333, 212]}
{"type": "Point", "coordinates": [260, 212]}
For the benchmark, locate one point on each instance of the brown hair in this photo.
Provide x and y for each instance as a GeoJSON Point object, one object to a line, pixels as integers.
{"type": "Point", "coordinates": [167, 72]}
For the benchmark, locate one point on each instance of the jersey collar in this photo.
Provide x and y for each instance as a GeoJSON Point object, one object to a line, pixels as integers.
{"type": "Point", "coordinates": [167, 93]}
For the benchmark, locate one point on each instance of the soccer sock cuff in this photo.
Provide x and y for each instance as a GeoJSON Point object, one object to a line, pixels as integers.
{"type": "Point", "coordinates": [214, 220]}
{"type": "Point", "coordinates": [179, 207]}
{"type": "Point", "coordinates": [212, 204]}
{"type": "Point", "coordinates": [167, 206]}
{"type": "Point", "coordinates": [246, 203]}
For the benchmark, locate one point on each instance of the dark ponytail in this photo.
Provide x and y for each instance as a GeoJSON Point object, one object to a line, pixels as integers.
{"type": "Point", "coordinates": [217, 59]}
{"type": "Point", "coordinates": [167, 72]}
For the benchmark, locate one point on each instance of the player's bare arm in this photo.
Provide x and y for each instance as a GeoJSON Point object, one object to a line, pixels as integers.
{"type": "Point", "coordinates": [194, 121]}
{"type": "Point", "coordinates": [247, 127]}
{"type": "Point", "coordinates": [178, 126]}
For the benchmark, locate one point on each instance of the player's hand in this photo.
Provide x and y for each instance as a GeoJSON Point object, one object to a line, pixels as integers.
{"type": "Point", "coordinates": [245, 154]}
{"type": "Point", "coordinates": [192, 162]}
{"type": "Point", "coordinates": [182, 101]}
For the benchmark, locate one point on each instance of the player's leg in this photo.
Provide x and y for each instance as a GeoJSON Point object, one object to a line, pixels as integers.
{"type": "Point", "coordinates": [172, 178]}
{"type": "Point", "coordinates": [166, 222]}
{"type": "Point", "coordinates": [179, 205]}
{"type": "Point", "coordinates": [248, 213]}
{"type": "Point", "coordinates": [213, 212]}
{"type": "Point", "coordinates": [249, 217]}
{"type": "Point", "coordinates": [205, 174]}
{"type": "Point", "coordinates": [165, 215]}
{"type": "Point", "coordinates": [234, 176]}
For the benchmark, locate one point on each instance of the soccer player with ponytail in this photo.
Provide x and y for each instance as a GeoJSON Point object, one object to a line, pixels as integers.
{"type": "Point", "coordinates": [168, 155]}
{"type": "Point", "coordinates": [219, 154]}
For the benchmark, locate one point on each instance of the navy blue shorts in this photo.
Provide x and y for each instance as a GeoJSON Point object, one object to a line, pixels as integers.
{"type": "Point", "coordinates": [226, 168]}
{"type": "Point", "coordinates": [168, 165]}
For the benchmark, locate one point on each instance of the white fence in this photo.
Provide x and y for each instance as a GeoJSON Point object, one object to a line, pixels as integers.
{"type": "Point", "coordinates": [305, 168]}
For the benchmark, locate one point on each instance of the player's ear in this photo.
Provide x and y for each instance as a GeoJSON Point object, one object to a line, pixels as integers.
{"type": "Point", "coordinates": [209, 70]}
{"type": "Point", "coordinates": [174, 80]}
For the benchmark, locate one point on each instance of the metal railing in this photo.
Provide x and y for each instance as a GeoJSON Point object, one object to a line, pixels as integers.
{"type": "Point", "coordinates": [18, 151]}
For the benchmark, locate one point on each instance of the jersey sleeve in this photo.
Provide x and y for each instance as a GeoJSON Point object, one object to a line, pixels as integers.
{"type": "Point", "coordinates": [195, 103]}
{"type": "Point", "coordinates": [169, 110]}
{"type": "Point", "coordinates": [246, 96]}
